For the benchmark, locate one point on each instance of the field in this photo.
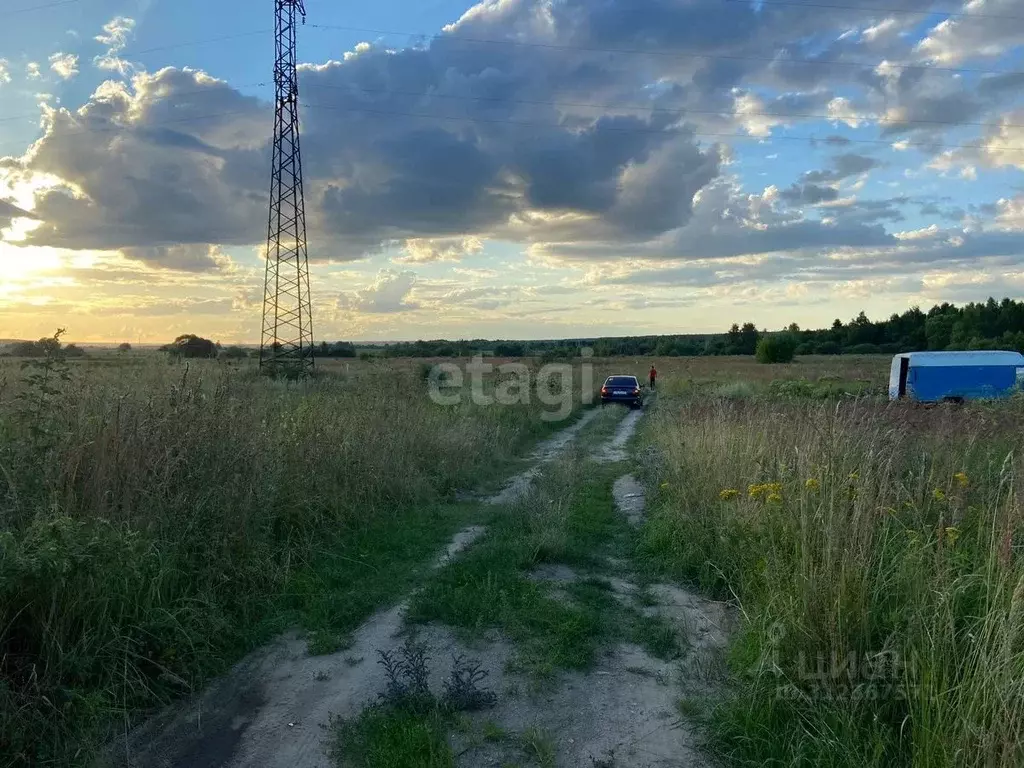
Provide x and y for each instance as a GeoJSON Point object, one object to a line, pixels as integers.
{"type": "Point", "coordinates": [160, 520]}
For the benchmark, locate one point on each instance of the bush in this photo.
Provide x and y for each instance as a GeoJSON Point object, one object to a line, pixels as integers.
{"type": "Point", "coordinates": [779, 348]}
{"type": "Point", "coordinates": [864, 349]}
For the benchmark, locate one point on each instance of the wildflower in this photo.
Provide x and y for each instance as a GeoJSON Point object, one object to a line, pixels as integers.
{"type": "Point", "coordinates": [939, 495]}
{"type": "Point", "coordinates": [812, 484]}
{"type": "Point", "coordinates": [961, 479]}
{"type": "Point", "coordinates": [774, 498]}
{"type": "Point", "coordinates": [728, 493]}
{"type": "Point", "coordinates": [764, 490]}
{"type": "Point", "coordinates": [952, 534]}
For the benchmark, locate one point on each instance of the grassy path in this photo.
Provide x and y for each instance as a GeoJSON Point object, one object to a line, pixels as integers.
{"type": "Point", "coordinates": [578, 659]}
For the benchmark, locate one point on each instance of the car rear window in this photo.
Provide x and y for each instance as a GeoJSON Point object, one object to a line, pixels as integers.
{"type": "Point", "coordinates": [621, 381]}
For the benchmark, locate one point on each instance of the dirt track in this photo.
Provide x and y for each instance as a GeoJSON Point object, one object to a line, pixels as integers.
{"type": "Point", "coordinates": [272, 709]}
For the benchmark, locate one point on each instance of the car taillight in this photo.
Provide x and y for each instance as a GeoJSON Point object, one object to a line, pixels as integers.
{"type": "Point", "coordinates": [636, 391]}
{"type": "Point", "coordinates": [604, 390]}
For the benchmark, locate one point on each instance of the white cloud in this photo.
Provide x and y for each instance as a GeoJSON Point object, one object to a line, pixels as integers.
{"type": "Point", "coordinates": [115, 35]}
{"type": "Point", "coordinates": [1010, 213]}
{"type": "Point", "coordinates": [388, 294]}
{"type": "Point", "coordinates": [420, 250]}
{"type": "Point", "coordinates": [33, 71]}
{"type": "Point", "coordinates": [65, 65]}
{"type": "Point", "coordinates": [5, 72]}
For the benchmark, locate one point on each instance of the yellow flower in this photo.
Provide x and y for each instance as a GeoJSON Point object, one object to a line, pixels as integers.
{"type": "Point", "coordinates": [961, 479]}
{"type": "Point", "coordinates": [939, 494]}
{"type": "Point", "coordinates": [764, 490]}
{"type": "Point", "coordinates": [774, 498]}
{"type": "Point", "coordinates": [812, 484]}
{"type": "Point", "coordinates": [952, 534]}
{"type": "Point", "coordinates": [728, 493]}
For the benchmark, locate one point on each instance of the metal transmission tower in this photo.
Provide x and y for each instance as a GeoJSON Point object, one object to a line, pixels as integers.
{"type": "Point", "coordinates": [287, 345]}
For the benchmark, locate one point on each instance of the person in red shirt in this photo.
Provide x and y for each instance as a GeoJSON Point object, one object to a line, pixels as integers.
{"type": "Point", "coordinates": [653, 376]}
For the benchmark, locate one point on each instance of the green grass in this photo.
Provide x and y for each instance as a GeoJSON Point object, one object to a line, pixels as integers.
{"type": "Point", "coordinates": [873, 550]}
{"type": "Point", "coordinates": [158, 521]}
{"type": "Point", "coordinates": [570, 520]}
{"type": "Point", "coordinates": [387, 737]}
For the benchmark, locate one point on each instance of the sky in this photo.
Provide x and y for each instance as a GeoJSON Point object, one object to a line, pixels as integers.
{"type": "Point", "coordinates": [510, 169]}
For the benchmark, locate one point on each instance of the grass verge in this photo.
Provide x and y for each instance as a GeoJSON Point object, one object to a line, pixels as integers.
{"type": "Point", "coordinates": [874, 551]}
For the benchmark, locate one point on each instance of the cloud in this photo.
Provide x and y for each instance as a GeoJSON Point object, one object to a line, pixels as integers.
{"type": "Point", "coordinates": [65, 65]}
{"type": "Point", "coordinates": [9, 211]}
{"type": "Point", "coordinates": [439, 146]}
{"type": "Point", "coordinates": [971, 36]}
{"type": "Point", "coordinates": [388, 294]}
{"type": "Point", "coordinates": [843, 166]}
{"type": "Point", "coordinates": [115, 36]}
{"type": "Point", "coordinates": [186, 258]}
{"type": "Point", "coordinates": [419, 250]}
{"type": "Point", "coordinates": [154, 180]}
{"type": "Point", "coordinates": [1004, 145]}
{"type": "Point", "coordinates": [5, 72]}
{"type": "Point", "coordinates": [33, 71]}
{"type": "Point", "coordinates": [812, 194]}
{"type": "Point", "coordinates": [1010, 213]}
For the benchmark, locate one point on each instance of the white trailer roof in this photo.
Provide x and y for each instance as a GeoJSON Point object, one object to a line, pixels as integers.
{"type": "Point", "coordinates": [976, 358]}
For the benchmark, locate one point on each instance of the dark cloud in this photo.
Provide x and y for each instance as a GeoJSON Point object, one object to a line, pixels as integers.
{"type": "Point", "coordinates": [9, 211]}
{"type": "Point", "coordinates": [452, 139]}
{"type": "Point", "coordinates": [811, 194]}
{"type": "Point", "coordinates": [843, 166]}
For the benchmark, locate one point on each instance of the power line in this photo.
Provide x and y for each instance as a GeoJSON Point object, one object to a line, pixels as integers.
{"type": "Point", "coordinates": [668, 54]}
{"type": "Point", "coordinates": [617, 129]}
{"type": "Point", "coordinates": [874, 9]}
{"type": "Point", "coordinates": [527, 124]}
{"type": "Point", "coordinates": [664, 110]}
{"type": "Point", "coordinates": [193, 92]}
{"type": "Point", "coordinates": [205, 41]}
{"type": "Point", "coordinates": [57, 4]}
{"type": "Point", "coordinates": [82, 131]}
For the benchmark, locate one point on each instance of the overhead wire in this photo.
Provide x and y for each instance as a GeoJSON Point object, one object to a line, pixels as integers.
{"type": "Point", "coordinates": [448, 37]}
{"type": "Point", "coordinates": [618, 129]}
{"type": "Point", "coordinates": [597, 127]}
{"type": "Point", "coordinates": [666, 110]}
{"type": "Point", "coordinates": [878, 9]}
{"type": "Point", "coordinates": [42, 7]}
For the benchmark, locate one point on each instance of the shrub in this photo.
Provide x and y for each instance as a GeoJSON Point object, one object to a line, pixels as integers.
{"type": "Point", "coordinates": [777, 348]}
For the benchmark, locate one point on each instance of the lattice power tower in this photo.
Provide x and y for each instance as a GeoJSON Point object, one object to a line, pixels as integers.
{"type": "Point", "coordinates": [287, 344]}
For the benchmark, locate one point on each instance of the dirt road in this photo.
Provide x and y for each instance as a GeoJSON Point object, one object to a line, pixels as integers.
{"type": "Point", "coordinates": [272, 709]}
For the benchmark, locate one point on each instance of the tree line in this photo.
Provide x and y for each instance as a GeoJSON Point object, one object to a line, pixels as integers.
{"type": "Point", "coordinates": [983, 325]}
{"type": "Point", "coordinates": [979, 325]}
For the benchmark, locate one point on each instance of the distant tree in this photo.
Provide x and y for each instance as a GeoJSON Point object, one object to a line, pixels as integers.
{"type": "Point", "coordinates": [341, 349]}
{"type": "Point", "coordinates": [776, 348]}
{"type": "Point", "coordinates": [191, 346]}
{"type": "Point", "coordinates": [939, 330]}
{"type": "Point", "coordinates": [124, 347]}
{"type": "Point", "coordinates": [508, 349]}
{"type": "Point", "coordinates": [749, 336]}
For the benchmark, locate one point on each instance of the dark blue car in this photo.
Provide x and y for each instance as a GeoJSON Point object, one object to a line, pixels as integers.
{"type": "Point", "coordinates": [622, 389]}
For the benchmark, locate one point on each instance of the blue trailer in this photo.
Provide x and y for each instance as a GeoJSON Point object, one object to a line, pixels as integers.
{"type": "Point", "coordinates": [934, 377]}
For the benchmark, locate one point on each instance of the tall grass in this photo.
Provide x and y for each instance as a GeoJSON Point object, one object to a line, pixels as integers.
{"type": "Point", "coordinates": [875, 554]}
{"type": "Point", "coordinates": [151, 516]}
